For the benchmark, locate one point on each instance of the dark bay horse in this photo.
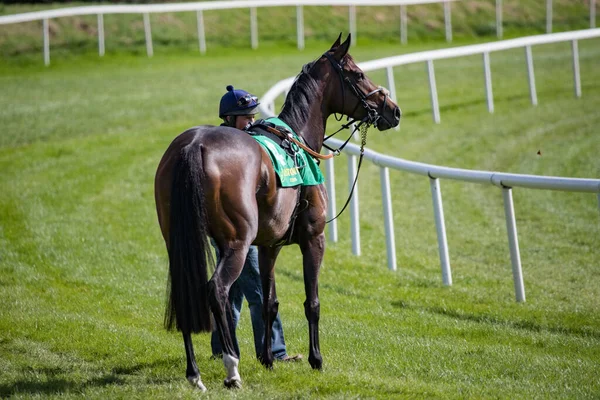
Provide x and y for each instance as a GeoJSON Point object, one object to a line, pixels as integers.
{"type": "Point", "coordinates": [218, 182]}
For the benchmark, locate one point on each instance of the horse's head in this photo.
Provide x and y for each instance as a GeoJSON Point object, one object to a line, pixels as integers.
{"type": "Point", "coordinates": [353, 94]}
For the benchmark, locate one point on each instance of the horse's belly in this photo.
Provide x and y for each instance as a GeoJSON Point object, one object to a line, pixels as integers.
{"type": "Point", "coordinates": [274, 216]}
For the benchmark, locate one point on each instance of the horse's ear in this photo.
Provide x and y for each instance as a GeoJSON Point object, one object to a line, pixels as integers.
{"type": "Point", "coordinates": [342, 49]}
{"type": "Point", "coordinates": [337, 42]}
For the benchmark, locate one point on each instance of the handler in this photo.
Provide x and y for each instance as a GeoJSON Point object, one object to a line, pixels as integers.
{"type": "Point", "coordinates": [237, 109]}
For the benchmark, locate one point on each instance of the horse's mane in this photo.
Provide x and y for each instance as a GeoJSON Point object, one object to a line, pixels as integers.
{"type": "Point", "coordinates": [296, 107]}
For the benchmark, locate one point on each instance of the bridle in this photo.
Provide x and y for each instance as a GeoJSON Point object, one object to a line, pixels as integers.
{"type": "Point", "coordinates": [373, 115]}
{"type": "Point", "coordinates": [372, 118]}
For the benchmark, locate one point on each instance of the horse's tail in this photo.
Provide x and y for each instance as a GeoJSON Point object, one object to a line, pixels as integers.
{"type": "Point", "coordinates": [189, 254]}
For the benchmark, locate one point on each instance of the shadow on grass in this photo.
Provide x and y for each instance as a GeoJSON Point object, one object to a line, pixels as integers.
{"type": "Point", "coordinates": [56, 380]}
{"type": "Point", "coordinates": [492, 320]}
{"type": "Point", "coordinates": [341, 290]}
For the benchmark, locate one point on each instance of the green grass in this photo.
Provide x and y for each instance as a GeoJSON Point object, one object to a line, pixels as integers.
{"type": "Point", "coordinates": [83, 266]}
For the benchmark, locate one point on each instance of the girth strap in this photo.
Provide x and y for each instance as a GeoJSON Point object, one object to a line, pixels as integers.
{"type": "Point", "coordinates": [287, 238]}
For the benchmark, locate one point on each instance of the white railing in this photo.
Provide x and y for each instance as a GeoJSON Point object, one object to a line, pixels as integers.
{"type": "Point", "coordinates": [484, 49]}
{"type": "Point", "coordinates": [505, 181]}
{"type": "Point", "coordinates": [200, 7]}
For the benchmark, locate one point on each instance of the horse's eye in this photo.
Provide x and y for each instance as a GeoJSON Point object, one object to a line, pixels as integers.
{"type": "Point", "coordinates": [360, 77]}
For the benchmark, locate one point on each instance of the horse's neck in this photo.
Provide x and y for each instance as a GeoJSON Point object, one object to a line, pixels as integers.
{"type": "Point", "coordinates": [312, 128]}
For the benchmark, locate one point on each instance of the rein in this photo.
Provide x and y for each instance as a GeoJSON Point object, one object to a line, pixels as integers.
{"type": "Point", "coordinates": [363, 142]}
{"type": "Point", "coordinates": [372, 117]}
{"type": "Point", "coordinates": [363, 133]}
{"type": "Point", "coordinates": [304, 147]}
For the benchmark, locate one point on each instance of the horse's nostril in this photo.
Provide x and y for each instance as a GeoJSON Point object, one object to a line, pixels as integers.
{"type": "Point", "coordinates": [397, 113]}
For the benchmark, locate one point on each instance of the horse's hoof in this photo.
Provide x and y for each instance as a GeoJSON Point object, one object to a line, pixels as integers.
{"type": "Point", "coordinates": [196, 382]}
{"type": "Point", "coordinates": [233, 383]}
{"type": "Point", "coordinates": [316, 363]}
{"type": "Point", "coordinates": [268, 364]}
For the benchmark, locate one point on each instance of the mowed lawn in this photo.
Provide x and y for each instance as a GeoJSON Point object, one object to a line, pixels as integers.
{"type": "Point", "coordinates": [83, 266]}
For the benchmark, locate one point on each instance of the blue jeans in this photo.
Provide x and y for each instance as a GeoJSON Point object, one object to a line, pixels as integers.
{"type": "Point", "coordinates": [248, 285]}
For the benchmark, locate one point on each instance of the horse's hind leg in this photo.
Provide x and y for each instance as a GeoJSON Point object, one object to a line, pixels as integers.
{"type": "Point", "coordinates": [312, 256]}
{"type": "Point", "coordinates": [192, 373]}
{"type": "Point", "coordinates": [227, 271]}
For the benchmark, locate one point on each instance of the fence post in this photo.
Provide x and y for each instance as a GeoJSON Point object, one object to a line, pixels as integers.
{"type": "Point", "coordinates": [388, 217]}
{"type": "Point", "coordinates": [576, 76]}
{"type": "Point", "coordinates": [201, 32]}
{"type": "Point", "coordinates": [392, 87]}
{"type": "Point", "coordinates": [331, 210]}
{"type": "Point", "coordinates": [531, 75]}
{"type": "Point", "coordinates": [253, 28]}
{"type": "Point", "coordinates": [46, 33]}
{"type": "Point", "coordinates": [499, 32]}
{"type": "Point", "coordinates": [592, 14]}
{"type": "Point", "coordinates": [448, 21]}
{"type": "Point", "coordinates": [403, 25]}
{"type": "Point", "coordinates": [488, 81]}
{"type": "Point", "coordinates": [548, 16]}
{"type": "Point", "coordinates": [433, 92]}
{"type": "Point", "coordinates": [513, 242]}
{"type": "Point", "coordinates": [300, 26]}
{"type": "Point", "coordinates": [352, 23]}
{"type": "Point", "coordinates": [391, 84]}
{"type": "Point", "coordinates": [438, 213]}
{"type": "Point", "coordinates": [100, 35]}
{"type": "Point", "coordinates": [148, 33]}
{"type": "Point", "coordinates": [354, 217]}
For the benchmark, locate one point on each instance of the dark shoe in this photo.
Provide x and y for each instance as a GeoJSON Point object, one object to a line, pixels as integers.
{"type": "Point", "coordinates": [297, 357]}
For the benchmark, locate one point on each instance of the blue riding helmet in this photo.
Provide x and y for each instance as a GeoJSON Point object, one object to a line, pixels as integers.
{"type": "Point", "coordinates": [237, 102]}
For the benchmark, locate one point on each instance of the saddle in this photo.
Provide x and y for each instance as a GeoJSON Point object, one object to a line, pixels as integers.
{"type": "Point", "coordinates": [267, 129]}
{"type": "Point", "coordinates": [293, 165]}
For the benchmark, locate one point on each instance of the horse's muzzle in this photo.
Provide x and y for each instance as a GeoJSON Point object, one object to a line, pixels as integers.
{"type": "Point", "coordinates": [389, 119]}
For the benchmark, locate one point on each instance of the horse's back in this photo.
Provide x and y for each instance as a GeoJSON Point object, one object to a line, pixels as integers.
{"type": "Point", "coordinates": [219, 148]}
{"type": "Point", "coordinates": [232, 169]}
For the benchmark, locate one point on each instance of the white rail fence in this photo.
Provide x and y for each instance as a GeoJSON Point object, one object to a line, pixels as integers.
{"type": "Point", "coordinates": [200, 7]}
{"type": "Point", "coordinates": [485, 49]}
{"type": "Point", "coordinates": [505, 181]}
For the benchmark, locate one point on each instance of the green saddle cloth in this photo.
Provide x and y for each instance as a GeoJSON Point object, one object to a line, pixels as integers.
{"type": "Point", "coordinates": [306, 173]}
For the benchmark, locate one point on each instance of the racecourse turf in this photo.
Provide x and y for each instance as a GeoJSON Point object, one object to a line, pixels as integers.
{"type": "Point", "coordinates": [83, 267]}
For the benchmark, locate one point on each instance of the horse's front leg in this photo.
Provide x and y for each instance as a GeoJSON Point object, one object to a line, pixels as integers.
{"type": "Point", "coordinates": [312, 256]}
{"type": "Point", "coordinates": [266, 261]}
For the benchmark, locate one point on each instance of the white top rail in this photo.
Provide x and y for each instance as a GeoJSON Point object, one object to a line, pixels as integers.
{"type": "Point", "coordinates": [198, 6]}
{"type": "Point", "coordinates": [403, 59]}
{"type": "Point", "coordinates": [479, 48]}
{"type": "Point", "coordinates": [500, 179]}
